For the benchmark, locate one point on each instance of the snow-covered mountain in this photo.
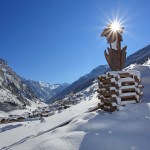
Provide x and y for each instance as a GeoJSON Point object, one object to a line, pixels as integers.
{"type": "Point", "coordinates": [81, 83]}
{"type": "Point", "coordinates": [14, 92]}
{"type": "Point", "coordinates": [139, 57]}
{"type": "Point", "coordinates": [45, 90]}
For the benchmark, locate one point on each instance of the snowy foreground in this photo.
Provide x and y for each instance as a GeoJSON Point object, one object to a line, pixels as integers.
{"type": "Point", "coordinates": [127, 129]}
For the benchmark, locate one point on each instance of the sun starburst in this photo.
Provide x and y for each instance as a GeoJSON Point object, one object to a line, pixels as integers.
{"type": "Point", "coordinates": [113, 31]}
{"type": "Point", "coordinates": [115, 26]}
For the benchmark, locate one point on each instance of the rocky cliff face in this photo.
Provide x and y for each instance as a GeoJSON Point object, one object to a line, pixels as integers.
{"type": "Point", "coordinates": [14, 92]}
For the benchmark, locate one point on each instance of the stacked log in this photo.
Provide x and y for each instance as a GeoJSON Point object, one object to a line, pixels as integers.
{"type": "Point", "coordinates": [118, 88]}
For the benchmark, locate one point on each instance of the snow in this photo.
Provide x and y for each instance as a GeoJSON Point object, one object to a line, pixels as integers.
{"type": "Point", "coordinates": [126, 79]}
{"type": "Point", "coordinates": [19, 112]}
{"type": "Point", "coordinates": [147, 63]}
{"type": "Point", "coordinates": [52, 86]}
{"type": "Point", "coordinates": [127, 129]}
{"type": "Point", "coordinates": [136, 73]}
{"type": "Point", "coordinates": [130, 67]}
{"type": "Point", "coordinates": [35, 128]}
{"type": "Point", "coordinates": [128, 102]}
{"type": "Point", "coordinates": [6, 95]}
{"type": "Point", "coordinates": [3, 114]}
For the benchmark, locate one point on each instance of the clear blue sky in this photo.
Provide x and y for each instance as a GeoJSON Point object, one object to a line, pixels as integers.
{"type": "Point", "coordinates": [58, 41]}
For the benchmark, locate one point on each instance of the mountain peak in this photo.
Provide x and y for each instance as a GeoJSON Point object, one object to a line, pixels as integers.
{"type": "Point", "coordinates": [45, 90]}
{"type": "Point", "coordinates": [3, 62]}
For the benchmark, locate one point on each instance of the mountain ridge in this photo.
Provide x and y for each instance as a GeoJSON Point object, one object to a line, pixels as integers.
{"type": "Point", "coordinates": [14, 93]}
{"type": "Point", "coordinates": [86, 81]}
{"type": "Point", "coordinates": [45, 90]}
{"type": "Point", "coordinates": [17, 92]}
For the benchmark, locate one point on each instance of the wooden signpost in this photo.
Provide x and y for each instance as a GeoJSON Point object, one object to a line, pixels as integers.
{"type": "Point", "coordinates": [117, 88]}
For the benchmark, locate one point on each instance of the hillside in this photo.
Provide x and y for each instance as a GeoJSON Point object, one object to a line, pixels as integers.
{"type": "Point", "coordinates": [139, 56]}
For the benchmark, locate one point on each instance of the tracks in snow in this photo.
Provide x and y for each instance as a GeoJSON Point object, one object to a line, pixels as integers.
{"type": "Point", "coordinates": [49, 130]}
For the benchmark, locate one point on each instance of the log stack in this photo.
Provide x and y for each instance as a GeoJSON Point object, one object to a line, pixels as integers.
{"type": "Point", "coordinates": [118, 88]}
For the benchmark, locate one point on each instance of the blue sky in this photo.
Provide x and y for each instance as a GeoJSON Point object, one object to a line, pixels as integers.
{"type": "Point", "coordinates": [58, 41]}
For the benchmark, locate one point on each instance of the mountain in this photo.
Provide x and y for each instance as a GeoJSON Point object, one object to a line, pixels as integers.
{"type": "Point", "coordinates": [14, 92]}
{"type": "Point", "coordinates": [45, 90]}
{"type": "Point", "coordinates": [139, 57]}
{"type": "Point", "coordinates": [80, 84]}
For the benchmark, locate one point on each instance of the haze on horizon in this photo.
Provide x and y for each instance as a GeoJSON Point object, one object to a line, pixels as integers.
{"type": "Point", "coordinates": [58, 41]}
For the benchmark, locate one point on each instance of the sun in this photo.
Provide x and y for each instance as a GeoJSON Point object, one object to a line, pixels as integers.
{"type": "Point", "coordinates": [115, 26]}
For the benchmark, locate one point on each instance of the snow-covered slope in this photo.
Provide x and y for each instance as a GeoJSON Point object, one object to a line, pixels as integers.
{"type": "Point", "coordinates": [24, 131]}
{"type": "Point", "coordinates": [45, 90]}
{"type": "Point", "coordinates": [77, 129]}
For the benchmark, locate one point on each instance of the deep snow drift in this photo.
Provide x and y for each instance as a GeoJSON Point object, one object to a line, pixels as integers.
{"type": "Point", "coordinates": [128, 129]}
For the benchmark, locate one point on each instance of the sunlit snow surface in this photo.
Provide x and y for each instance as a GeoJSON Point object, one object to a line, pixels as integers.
{"type": "Point", "coordinates": [127, 129]}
